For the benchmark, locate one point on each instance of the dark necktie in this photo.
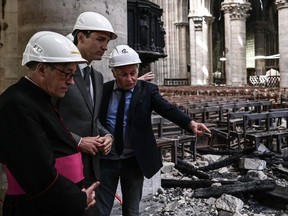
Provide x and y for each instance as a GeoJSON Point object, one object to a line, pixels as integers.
{"type": "Point", "coordinates": [87, 72]}
{"type": "Point", "coordinates": [118, 135]}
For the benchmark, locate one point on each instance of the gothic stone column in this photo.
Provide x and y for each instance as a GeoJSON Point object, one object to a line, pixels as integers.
{"type": "Point", "coordinates": [282, 7]}
{"type": "Point", "coordinates": [235, 43]}
{"type": "Point", "coordinates": [200, 49]}
{"type": "Point", "coordinates": [182, 29]}
{"type": "Point", "coordinates": [260, 39]}
{"type": "Point", "coordinates": [196, 50]}
{"type": "Point", "coordinates": [209, 61]}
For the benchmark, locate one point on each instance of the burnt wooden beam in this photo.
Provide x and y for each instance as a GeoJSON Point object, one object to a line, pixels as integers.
{"type": "Point", "coordinates": [285, 164]}
{"type": "Point", "coordinates": [281, 170]}
{"type": "Point", "coordinates": [193, 184]}
{"type": "Point", "coordinates": [217, 151]}
{"type": "Point", "coordinates": [225, 162]}
{"type": "Point", "coordinates": [173, 183]}
{"type": "Point", "coordinates": [217, 191]}
{"type": "Point", "coordinates": [276, 198]}
{"type": "Point", "coordinates": [185, 167]}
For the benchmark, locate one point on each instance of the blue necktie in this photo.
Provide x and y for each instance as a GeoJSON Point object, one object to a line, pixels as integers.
{"type": "Point", "coordinates": [118, 135]}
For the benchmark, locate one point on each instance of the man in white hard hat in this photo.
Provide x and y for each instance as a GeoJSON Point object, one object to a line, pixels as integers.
{"type": "Point", "coordinates": [43, 165]}
{"type": "Point", "coordinates": [134, 153]}
{"type": "Point", "coordinates": [80, 107]}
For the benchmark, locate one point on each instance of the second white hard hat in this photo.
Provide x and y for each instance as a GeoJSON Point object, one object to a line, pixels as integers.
{"type": "Point", "coordinates": [70, 37]}
{"type": "Point", "coordinates": [94, 22]}
{"type": "Point", "coordinates": [123, 55]}
{"type": "Point", "coordinates": [51, 47]}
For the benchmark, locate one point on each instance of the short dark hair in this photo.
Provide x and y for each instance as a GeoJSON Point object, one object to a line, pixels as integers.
{"type": "Point", "coordinates": [75, 33]}
{"type": "Point", "coordinates": [32, 65]}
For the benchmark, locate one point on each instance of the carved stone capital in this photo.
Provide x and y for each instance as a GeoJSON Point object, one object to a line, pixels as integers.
{"type": "Point", "coordinates": [236, 10]}
{"type": "Point", "coordinates": [198, 22]}
{"type": "Point", "coordinates": [209, 19]}
{"type": "Point", "coordinates": [281, 3]}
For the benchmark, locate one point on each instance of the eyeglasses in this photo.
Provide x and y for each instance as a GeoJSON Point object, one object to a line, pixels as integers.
{"type": "Point", "coordinates": [67, 76]}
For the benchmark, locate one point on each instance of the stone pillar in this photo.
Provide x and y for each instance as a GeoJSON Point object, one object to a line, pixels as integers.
{"type": "Point", "coordinates": [235, 41]}
{"type": "Point", "coordinates": [200, 49]}
{"type": "Point", "coordinates": [282, 7]}
{"type": "Point", "coordinates": [209, 61]}
{"type": "Point", "coordinates": [200, 21]}
{"type": "Point", "coordinates": [260, 41]}
{"type": "Point", "coordinates": [195, 24]}
{"type": "Point", "coordinates": [182, 29]}
{"type": "Point", "coordinates": [226, 53]}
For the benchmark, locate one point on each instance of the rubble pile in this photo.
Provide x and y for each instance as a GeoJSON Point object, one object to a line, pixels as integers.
{"type": "Point", "coordinates": [245, 184]}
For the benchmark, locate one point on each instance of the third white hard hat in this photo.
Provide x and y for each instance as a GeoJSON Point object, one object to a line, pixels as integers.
{"type": "Point", "coordinates": [123, 55]}
{"type": "Point", "coordinates": [94, 22]}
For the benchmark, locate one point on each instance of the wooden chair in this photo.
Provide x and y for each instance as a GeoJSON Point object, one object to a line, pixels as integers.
{"type": "Point", "coordinates": [284, 101]}
{"type": "Point", "coordinates": [171, 136]}
{"type": "Point", "coordinates": [233, 133]}
{"type": "Point", "coordinates": [265, 105]}
{"type": "Point", "coordinates": [223, 113]}
{"type": "Point", "coordinates": [255, 128]}
{"type": "Point", "coordinates": [198, 114]}
{"type": "Point", "coordinates": [278, 132]}
{"type": "Point", "coordinates": [211, 116]}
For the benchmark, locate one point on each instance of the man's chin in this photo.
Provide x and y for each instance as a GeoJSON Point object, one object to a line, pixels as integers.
{"type": "Point", "coordinates": [98, 58]}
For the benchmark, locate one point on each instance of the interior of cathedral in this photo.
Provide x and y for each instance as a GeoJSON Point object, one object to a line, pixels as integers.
{"type": "Point", "coordinates": [199, 42]}
{"type": "Point", "coordinates": [209, 57]}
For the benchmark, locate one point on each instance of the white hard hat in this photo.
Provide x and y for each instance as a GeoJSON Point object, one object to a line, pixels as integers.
{"type": "Point", "coordinates": [123, 55]}
{"type": "Point", "coordinates": [94, 22]}
{"type": "Point", "coordinates": [50, 47]}
{"type": "Point", "coordinates": [70, 37]}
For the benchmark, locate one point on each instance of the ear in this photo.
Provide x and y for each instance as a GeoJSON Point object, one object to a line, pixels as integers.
{"type": "Point", "coordinates": [41, 69]}
{"type": "Point", "coordinates": [113, 72]}
{"type": "Point", "coordinates": [80, 37]}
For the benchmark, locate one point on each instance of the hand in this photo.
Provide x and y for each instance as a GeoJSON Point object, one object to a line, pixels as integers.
{"type": "Point", "coordinates": [90, 192]}
{"type": "Point", "coordinates": [105, 148]}
{"type": "Point", "coordinates": [147, 77]}
{"type": "Point", "coordinates": [89, 144]}
{"type": "Point", "coordinates": [198, 129]}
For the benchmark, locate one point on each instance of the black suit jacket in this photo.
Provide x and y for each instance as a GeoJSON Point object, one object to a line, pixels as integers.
{"type": "Point", "coordinates": [32, 137]}
{"type": "Point", "coordinates": [145, 99]}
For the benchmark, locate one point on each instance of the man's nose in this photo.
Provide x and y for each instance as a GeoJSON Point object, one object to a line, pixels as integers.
{"type": "Point", "coordinates": [70, 81]}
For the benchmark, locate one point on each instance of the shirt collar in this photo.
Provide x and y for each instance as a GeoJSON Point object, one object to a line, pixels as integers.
{"type": "Point", "coordinates": [28, 78]}
{"type": "Point", "coordinates": [83, 65]}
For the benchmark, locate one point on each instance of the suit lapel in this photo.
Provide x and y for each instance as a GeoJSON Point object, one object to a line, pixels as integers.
{"type": "Point", "coordinates": [135, 96]}
{"type": "Point", "coordinates": [80, 83]}
{"type": "Point", "coordinates": [97, 80]}
{"type": "Point", "coordinates": [107, 92]}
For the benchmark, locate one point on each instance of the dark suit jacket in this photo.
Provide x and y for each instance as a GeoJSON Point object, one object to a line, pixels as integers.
{"type": "Point", "coordinates": [145, 99]}
{"type": "Point", "coordinates": [82, 119]}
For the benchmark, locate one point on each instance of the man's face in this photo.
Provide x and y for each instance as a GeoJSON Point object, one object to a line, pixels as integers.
{"type": "Point", "coordinates": [126, 76]}
{"type": "Point", "coordinates": [93, 46]}
{"type": "Point", "coordinates": [58, 77]}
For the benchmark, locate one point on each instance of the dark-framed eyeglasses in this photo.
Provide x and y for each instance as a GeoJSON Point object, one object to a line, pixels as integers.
{"type": "Point", "coordinates": [67, 76]}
